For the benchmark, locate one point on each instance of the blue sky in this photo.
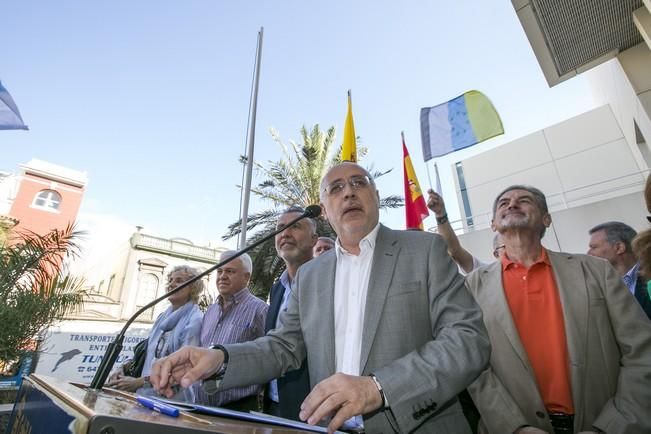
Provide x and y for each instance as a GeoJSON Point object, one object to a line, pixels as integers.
{"type": "Point", "coordinates": [151, 97]}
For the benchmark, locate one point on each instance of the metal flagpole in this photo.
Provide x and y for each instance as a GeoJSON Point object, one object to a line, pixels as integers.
{"type": "Point", "coordinates": [439, 189]}
{"type": "Point", "coordinates": [249, 155]}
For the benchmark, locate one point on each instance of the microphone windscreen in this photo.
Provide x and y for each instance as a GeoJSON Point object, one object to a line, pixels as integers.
{"type": "Point", "coordinates": [312, 211]}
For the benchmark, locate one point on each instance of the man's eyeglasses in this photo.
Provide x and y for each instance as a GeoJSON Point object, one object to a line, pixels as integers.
{"type": "Point", "coordinates": [356, 182]}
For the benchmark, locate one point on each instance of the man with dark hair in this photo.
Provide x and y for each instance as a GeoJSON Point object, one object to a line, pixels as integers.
{"type": "Point", "coordinates": [294, 246]}
{"type": "Point", "coordinates": [390, 332]}
{"type": "Point", "coordinates": [571, 348]}
{"type": "Point", "coordinates": [612, 241]}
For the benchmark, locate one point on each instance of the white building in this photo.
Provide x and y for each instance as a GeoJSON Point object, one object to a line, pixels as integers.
{"type": "Point", "coordinates": [592, 167]}
{"type": "Point", "coordinates": [131, 272]}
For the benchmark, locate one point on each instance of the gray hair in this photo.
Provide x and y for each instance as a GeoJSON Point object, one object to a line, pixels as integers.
{"type": "Point", "coordinates": [244, 258]}
{"type": "Point", "coordinates": [297, 209]}
{"type": "Point", "coordinates": [197, 287]}
{"type": "Point", "coordinates": [617, 232]}
{"type": "Point", "coordinates": [538, 197]}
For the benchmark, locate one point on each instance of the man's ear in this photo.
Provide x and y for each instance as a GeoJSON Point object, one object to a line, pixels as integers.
{"type": "Point", "coordinates": [323, 211]}
{"type": "Point", "coordinates": [493, 228]}
{"type": "Point", "coordinates": [620, 248]}
{"type": "Point", "coordinates": [547, 220]}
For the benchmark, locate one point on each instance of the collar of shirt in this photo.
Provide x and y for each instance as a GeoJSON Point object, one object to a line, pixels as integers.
{"type": "Point", "coordinates": [367, 243]}
{"type": "Point", "coordinates": [630, 278]}
{"type": "Point", "coordinates": [287, 286]}
{"type": "Point", "coordinates": [284, 280]}
{"type": "Point", "coordinates": [237, 298]}
{"type": "Point", "coordinates": [508, 263]}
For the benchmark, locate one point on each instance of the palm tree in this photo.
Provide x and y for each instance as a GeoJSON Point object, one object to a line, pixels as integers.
{"type": "Point", "coordinates": [294, 180]}
{"type": "Point", "coordinates": [35, 288]}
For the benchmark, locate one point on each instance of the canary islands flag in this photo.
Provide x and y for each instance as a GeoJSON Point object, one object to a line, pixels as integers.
{"type": "Point", "coordinates": [457, 124]}
{"type": "Point", "coordinates": [9, 115]}
{"type": "Point", "coordinates": [349, 147]}
{"type": "Point", "coordinates": [415, 207]}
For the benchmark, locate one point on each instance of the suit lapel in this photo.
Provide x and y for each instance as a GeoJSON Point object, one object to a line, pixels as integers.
{"type": "Point", "coordinates": [495, 302]}
{"type": "Point", "coordinates": [573, 294]}
{"type": "Point", "coordinates": [385, 257]}
{"type": "Point", "coordinates": [274, 305]}
{"type": "Point", "coordinates": [326, 304]}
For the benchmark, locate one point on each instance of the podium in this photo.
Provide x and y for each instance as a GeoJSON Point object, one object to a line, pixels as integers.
{"type": "Point", "coordinates": [51, 406]}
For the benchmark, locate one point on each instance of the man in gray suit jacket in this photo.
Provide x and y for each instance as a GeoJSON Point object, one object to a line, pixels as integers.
{"type": "Point", "coordinates": [585, 368]}
{"type": "Point", "coordinates": [390, 332]}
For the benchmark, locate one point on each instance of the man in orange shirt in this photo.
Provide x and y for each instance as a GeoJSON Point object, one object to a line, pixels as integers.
{"type": "Point", "coordinates": [571, 347]}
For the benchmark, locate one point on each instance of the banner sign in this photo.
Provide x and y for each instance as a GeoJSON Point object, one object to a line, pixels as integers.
{"type": "Point", "coordinates": [76, 355]}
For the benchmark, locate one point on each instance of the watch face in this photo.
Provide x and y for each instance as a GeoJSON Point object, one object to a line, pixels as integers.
{"type": "Point", "coordinates": [211, 385]}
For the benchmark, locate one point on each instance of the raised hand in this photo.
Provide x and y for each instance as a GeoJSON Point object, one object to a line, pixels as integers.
{"type": "Point", "coordinates": [435, 203]}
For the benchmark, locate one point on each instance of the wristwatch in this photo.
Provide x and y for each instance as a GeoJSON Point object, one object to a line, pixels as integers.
{"type": "Point", "coordinates": [211, 384]}
{"type": "Point", "coordinates": [385, 402]}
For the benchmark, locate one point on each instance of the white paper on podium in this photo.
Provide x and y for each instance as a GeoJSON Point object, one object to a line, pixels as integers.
{"type": "Point", "coordinates": [240, 415]}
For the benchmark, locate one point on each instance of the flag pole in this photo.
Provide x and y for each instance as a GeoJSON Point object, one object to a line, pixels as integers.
{"type": "Point", "coordinates": [429, 176]}
{"type": "Point", "coordinates": [246, 188]}
{"type": "Point", "coordinates": [439, 189]}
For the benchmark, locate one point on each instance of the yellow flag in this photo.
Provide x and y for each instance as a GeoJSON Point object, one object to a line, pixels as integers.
{"type": "Point", "coordinates": [349, 147]}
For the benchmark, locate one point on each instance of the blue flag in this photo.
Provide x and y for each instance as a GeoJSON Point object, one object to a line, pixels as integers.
{"type": "Point", "coordinates": [461, 122]}
{"type": "Point", "coordinates": [9, 115]}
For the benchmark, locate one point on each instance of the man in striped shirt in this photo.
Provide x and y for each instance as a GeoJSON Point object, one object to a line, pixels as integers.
{"type": "Point", "coordinates": [237, 316]}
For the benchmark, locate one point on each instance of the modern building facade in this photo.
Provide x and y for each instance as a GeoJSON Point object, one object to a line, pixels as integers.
{"type": "Point", "coordinates": [591, 167]}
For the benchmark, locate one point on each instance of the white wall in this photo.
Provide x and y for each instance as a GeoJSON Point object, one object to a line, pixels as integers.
{"type": "Point", "coordinates": [583, 160]}
{"type": "Point", "coordinates": [569, 230]}
{"type": "Point", "coordinates": [625, 84]}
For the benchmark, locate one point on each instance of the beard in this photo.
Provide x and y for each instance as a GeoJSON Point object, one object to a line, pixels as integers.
{"type": "Point", "coordinates": [295, 254]}
{"type": "Point", "coordinates": [513, 222]}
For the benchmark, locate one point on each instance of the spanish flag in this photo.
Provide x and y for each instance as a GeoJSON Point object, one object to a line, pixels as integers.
{"type": "Point", "coordinates": [415, 207]}
{"type": "Point", "coordinates": [349, 147]}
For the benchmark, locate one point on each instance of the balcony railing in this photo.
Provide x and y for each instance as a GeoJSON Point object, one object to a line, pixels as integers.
{"type": "Point", "coordinates": [174, 248]}
{"type": "Point", "coordinates": [571, 198]}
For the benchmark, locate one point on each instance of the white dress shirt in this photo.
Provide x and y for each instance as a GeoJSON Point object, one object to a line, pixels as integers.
{"type": "Point", "coordinates": [351, 286]}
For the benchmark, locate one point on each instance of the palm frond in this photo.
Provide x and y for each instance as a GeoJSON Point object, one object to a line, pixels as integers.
{"type": "Point", "coordinates": [35, 288]}
{"type": "Point", "coordinates": [293, 180]}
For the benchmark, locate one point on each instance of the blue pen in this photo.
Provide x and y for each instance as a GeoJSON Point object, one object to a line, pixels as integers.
{"type": "Point", "coordinates": [158, 406]}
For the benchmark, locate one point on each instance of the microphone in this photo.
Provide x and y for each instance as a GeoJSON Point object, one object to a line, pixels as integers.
{"type": "Point", "coordinates": [113, 349]}
{"type": "Point", "coordinates": [312, 211]}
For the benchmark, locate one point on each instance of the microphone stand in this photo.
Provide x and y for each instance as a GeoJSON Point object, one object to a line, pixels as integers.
{"type": "Point", "coordinates": [114, 348]}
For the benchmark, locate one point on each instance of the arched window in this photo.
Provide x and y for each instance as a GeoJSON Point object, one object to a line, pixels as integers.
{"type": "Point", "coordinates": [48, 199]}
{"type": "Point", "coordinates": [147, 290]}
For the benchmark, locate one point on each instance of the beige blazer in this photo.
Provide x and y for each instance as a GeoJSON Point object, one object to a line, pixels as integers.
{"type": "Point", "coordinates": [423, 336]}
{"type": "Point", "coordinates": [609, 346]}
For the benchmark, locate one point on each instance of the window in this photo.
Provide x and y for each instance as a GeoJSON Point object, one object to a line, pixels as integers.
{"type": "Point", "coordinates": [110, 285]}
{"type": "Point", "coordinates": [147, 290]}
{"type": "Point", "coordinates": [48, 199]}
{"type": "Point", "coordinates": [642, 145]}
{"type": "Point", "coordinates": [464, 193]}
